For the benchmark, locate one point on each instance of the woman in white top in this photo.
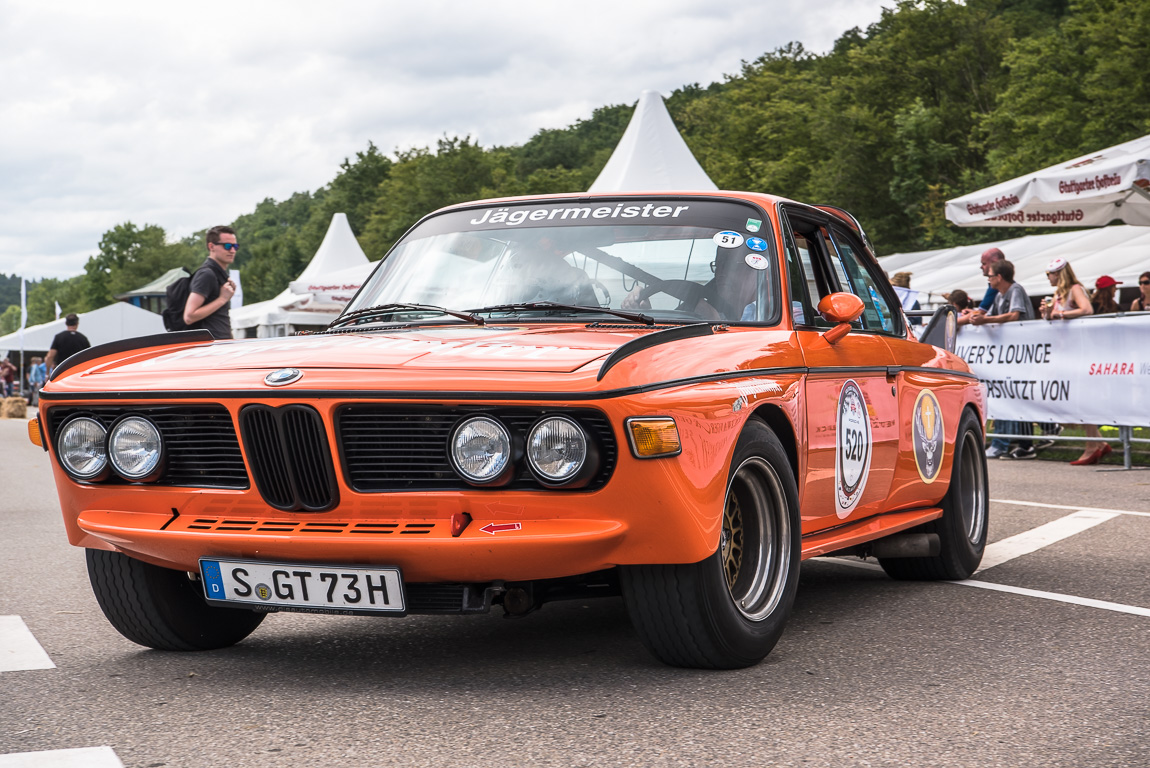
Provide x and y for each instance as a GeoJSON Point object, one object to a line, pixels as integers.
{"type": "Point", "coordinates": [1070, 299]}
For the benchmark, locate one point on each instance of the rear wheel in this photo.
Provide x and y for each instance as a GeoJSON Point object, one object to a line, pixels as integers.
{"type": "Point", "coordinates": [965, 514]}
{"type": "Point", "coordinates": [161, 608]}
{"type": "Point", "coordinates": [729, 610]}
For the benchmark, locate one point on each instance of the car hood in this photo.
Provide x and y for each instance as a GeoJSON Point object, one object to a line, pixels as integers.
{"type": "Point", "coordinates": [478, 348]}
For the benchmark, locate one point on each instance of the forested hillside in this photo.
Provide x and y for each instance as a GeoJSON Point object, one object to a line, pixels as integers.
{"type": "Point", "coordinates": [936, 99]}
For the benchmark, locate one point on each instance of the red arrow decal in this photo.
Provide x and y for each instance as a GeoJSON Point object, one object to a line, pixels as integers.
{"type": "Point", "coordinates": [494, 528]}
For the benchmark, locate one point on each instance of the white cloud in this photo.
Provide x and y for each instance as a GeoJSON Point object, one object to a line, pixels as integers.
{"type": "Point", "coordinates": [187, 115]}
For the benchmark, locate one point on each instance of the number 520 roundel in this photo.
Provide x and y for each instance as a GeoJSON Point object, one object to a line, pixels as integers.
{"type": "Point", "coordinates": [671, 398]}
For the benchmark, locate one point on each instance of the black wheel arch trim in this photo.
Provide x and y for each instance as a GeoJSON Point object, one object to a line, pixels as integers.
{"type": "Point", "coordinates": [128, 345]}
{"type": "Point", "coordinates": [648, 340]}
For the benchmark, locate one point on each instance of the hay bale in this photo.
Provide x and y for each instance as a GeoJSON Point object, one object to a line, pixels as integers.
{"type": "Point", "coordinates": [13, 408]}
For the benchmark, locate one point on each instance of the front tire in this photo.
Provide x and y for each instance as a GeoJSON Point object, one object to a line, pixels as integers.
{"type": "Point", "coordinates": [965, 516]}
{"type": "Point", "coordinates": [729, 610]}
{"type": "Point", "coordinates": [161, 608]}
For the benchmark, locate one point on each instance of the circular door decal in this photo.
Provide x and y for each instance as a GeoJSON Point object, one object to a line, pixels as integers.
{"type": "Point", "coordinates": [853, 449]}
{"type": "Point", "coordinates": [926, 431]}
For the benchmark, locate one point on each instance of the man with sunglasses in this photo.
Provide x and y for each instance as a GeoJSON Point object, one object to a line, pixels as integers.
{"type": "Point", "coordinates": [211, 290]}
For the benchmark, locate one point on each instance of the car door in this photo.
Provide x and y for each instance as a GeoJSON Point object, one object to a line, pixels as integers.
{"type": "Point", "coordinates": [851, 403]}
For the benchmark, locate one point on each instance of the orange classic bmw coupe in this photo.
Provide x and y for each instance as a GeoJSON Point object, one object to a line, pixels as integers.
{"type": "Point", "coordinates": [675, 398]}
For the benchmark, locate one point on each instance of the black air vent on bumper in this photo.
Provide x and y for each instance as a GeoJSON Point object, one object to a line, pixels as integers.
{"type": "Point", "coordinates": [289, 456]}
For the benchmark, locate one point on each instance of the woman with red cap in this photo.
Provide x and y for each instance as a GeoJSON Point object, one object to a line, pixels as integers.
{"type": "Point", "coordinates": [1102, 300]}
{"type": "Point", "coordinates": [1142, 303]}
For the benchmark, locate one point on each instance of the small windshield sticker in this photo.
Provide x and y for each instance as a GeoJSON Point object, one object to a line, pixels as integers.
{"type": "Point", "coordinates": [756, 243]}
{"type": "Point", "coordinates": [852, 450]}
{"type": "Point", "coordinates": [728, 239]}
{"type": "Point", "coordinates": [754, 224]}
{"type": "Point", "coordinates": [926, 429]}
{"type": "Point", "coordinates": [756, 261]}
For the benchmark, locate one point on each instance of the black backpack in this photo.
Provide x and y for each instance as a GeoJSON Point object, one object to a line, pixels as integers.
{"type": "Point", "coordinates": [173, 314]}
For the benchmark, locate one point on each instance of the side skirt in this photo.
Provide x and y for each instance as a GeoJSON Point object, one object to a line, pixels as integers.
{"type": "Point", "coordinates": [853, 534]}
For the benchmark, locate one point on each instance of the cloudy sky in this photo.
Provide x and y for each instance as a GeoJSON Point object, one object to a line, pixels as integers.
{"type": "Point", "coordinates": [188, 114]}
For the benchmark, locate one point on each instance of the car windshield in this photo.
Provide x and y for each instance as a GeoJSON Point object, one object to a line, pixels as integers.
{"type": "Point", "coordinates": [674, 260]}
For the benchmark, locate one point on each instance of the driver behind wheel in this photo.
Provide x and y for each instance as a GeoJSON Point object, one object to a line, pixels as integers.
{"type": "Point", "coordinates": [539, 271]}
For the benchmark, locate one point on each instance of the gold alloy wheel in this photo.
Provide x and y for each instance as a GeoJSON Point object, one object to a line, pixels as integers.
{"type": "Point", "coordinates": [732, 540]}
{"type": "Point", "coordinates": [755, 542]}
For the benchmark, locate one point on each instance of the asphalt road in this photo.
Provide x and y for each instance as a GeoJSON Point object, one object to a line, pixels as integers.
{"type": "Point", "coordinates": [870, 672]}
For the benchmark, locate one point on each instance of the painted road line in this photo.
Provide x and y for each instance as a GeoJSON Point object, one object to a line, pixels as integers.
{"type": "Point", "coordinates": [1044, 535]}
{"type": "Point", "coordinates": [89, 757]}
{"type": "Point", "coordinates": [1103, 604]}
{"type": "Point", "coordinates": [1055, 596]}
{"type": "Point", "coordinates": [19, 649]}
{"type": "Point", "coordinates": [1063, 506]}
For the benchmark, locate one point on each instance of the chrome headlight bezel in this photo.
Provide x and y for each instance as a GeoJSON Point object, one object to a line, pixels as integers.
{"type": "Point", "coordinates": [98, 443]}
{"type": "Point", "coordinates": [503, 471]}
{"type": "Point", "coordinates": [577, 476]}
{"type": "Point", "coordinates": [150, 471]}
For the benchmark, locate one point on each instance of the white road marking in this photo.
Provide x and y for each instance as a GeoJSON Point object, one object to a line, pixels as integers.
{"type": "Point", "coordinates": [19, 649]}
{"type": "Point", "coordinates": [1055, 596]}
{"type": "Point", "coordinates": [1063, 506]}
{"type": "Point", "coordinates": [1119, 607]}
{"type": "Point", "coordinates": [1043, 536]}
{"type": "Point", "coordinates": [88, 757]}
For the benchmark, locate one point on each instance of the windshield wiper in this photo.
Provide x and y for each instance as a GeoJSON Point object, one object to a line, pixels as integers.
{"type": "Point", "coordinates": [390, 309]}
{"type": "Point", "coordinates": [634, 317]}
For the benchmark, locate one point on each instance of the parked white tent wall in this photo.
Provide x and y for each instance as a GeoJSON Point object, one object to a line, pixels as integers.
{"type": "Point", "coordinates": [1123, 252]}
{"type": "Point", "coordinates": [111, 323]}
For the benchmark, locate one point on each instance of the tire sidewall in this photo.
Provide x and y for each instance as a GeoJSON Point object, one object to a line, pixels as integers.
{"type": "Point", "coordinates": [738, 635]}
{"type": "Point", "coordinates": [961, 556]}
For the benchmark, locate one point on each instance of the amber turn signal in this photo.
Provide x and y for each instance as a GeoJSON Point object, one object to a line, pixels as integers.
{"type": "Point", "coordinates": [652, 437]}
{"type": "Point", "coordinates": [34, 432]}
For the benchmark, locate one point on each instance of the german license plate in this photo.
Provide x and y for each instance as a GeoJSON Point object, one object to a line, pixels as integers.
{"type": "Point", "coordinates": [291, 586]}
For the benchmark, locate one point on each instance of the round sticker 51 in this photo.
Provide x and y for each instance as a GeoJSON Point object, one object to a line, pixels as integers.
{"type": "Point", "coordinates": [728, 239]}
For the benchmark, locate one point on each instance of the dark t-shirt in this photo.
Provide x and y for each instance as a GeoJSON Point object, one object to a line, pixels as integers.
{"type": "Point", "coordinates": [68, 343]}
{"type": "Point", "coordinates": [206, 282]}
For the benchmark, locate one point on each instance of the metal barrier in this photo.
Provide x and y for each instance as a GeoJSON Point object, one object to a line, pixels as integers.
{"type": "Point", "coordinates": [1125, 437]}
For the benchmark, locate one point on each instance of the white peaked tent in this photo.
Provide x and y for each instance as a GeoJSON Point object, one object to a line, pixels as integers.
{"type": "Point", "coordinates": [339, 251]}
{"type": "Point", "coordinates": [1088, 191]}
{"type": "Point", "coordinates": [1123, 252]}
{"type": "Point", "coordinates": [111, 323]}
{"type": "Point", "coordinates": [652, 155]}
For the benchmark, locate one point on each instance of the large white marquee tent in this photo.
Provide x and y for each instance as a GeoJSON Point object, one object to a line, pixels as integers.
{"type": "Point", "coordinates": [299, 305]}
{"type": "Point", "coordinates": [651, 155]}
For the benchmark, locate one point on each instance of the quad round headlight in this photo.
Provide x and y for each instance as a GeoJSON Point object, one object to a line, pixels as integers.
{"type": "Point", "coordinates": [136, 449]}
{"type": "Point", "coordinates": [480, 451]}
{"type": "Point", "coordinates": [82, 449]}
{"type": "Point", "coordinates": [559, 452]}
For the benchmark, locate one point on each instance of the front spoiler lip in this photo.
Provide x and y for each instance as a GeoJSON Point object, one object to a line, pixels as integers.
{"type": "Point", "coordinates": [538, 549]}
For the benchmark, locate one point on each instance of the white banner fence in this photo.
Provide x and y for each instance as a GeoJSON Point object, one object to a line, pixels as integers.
{"type": "Point", "coordinates": [1091, 370]}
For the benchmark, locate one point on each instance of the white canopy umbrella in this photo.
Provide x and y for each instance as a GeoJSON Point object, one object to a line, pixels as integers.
{"type": "Point", "coordinates": [1088, 191]}
{"type": "Point", "coordinates": [652, 155]}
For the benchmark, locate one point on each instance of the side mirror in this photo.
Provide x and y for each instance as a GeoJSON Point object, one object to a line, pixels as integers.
{"type": "Point", "coordinates": [842, 309]}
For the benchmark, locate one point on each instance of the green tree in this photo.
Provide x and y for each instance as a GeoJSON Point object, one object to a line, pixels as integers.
{"type": "Point", "coordinates": [130, 257]}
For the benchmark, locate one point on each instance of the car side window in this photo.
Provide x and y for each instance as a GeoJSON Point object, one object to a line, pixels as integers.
{"type": "Point", "coordinates": [800, 287]}
{"type": "Point", "coordinates": [805, 255]}
{"type": "Point", "coordinates": [855, 277]}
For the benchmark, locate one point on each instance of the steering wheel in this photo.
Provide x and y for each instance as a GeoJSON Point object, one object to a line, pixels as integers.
{"type": "Point", "coordinates": [686, 291]}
